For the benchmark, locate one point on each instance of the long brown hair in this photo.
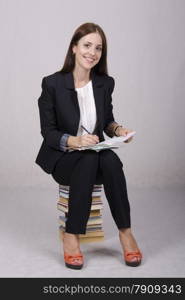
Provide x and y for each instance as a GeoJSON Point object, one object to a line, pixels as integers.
{"type": "Point", "coordinates": [82, 30]}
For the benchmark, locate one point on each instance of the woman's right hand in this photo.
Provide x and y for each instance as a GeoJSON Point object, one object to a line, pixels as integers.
{"type": "Point", "coordinates": [82, 140]}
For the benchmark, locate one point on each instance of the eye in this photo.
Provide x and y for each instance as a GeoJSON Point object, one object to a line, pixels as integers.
{"type": "Point", "coordinates": [98, 48]}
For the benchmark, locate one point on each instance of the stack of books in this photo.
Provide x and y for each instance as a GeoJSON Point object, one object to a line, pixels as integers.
{"type": "Point", "coordinates": [94, 228]}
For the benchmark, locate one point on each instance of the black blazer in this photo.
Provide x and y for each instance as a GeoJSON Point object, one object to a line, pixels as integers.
{"type": "Point", "coordinates": [60, 113]}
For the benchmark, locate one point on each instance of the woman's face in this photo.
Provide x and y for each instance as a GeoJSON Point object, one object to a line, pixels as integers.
{"type": "Point", "coordinates": [88, 51]}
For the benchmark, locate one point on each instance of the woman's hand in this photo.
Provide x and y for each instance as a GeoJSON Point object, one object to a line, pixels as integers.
{"type": "Point", "coordinates": [82, 140]}
{"type": "Point", "coordinates": [120, 131]}
{"type": "Point", "coordinates": [88, 139]}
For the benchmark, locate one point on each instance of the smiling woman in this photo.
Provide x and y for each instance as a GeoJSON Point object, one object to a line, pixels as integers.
{"type": "Point", "coordinates": [88, 43]}
{"type": "Point", "coordinates": [80, 96]}
{"type": "Point", "coordinates": [87, 53]}
{"type": "Point", "coordinates": [94, 51]}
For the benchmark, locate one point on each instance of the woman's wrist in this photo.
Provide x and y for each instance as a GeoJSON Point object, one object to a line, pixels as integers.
{"type": "Point", "coordinates": [73, 141]}
{"type": "Point", "coordinates": [116, 130]}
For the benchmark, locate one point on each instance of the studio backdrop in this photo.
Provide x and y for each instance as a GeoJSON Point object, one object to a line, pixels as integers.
{"type": "Point", "coordinates": [146, 57]}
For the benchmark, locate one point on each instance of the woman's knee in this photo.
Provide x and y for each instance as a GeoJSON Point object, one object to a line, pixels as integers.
{"type": "Point", "coordinates": [109, 159]}
{"type": "Point", "coordinates": [90, 156]}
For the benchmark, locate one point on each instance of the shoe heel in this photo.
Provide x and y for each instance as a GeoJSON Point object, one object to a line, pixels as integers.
{"type": "Point", "coordinates": [70, 266]}
{"type": "Point", "coordinates": [73, 261]}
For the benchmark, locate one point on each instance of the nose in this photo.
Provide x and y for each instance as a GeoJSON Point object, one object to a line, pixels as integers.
{"type": "Point", "coordinates": [92, 51]}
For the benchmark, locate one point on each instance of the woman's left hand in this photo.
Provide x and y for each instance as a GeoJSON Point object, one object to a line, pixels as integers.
{"type": "Point", "coordinates": [123, 132]}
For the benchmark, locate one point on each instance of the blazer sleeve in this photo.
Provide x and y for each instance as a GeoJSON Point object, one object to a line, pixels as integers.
{"type": "Point", "coordinates": [109, 117]}
{"type": "Point", "coordinates": [48, 121]}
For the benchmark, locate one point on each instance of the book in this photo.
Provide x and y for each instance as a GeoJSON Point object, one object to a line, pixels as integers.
{"type": "Point", "coordinates": [87, 234]}
{"type": "Point", "coordinates": [93, 239]}
{"type": "Point", "coordinates": [86, 238]}
{"type": "Point", "coordinates": [94, 201]}
{"type": "Point", "coordinates": [64, 208]}
{"type": "Point", "coordinates": [91, 220]}
{"type": "Point", "coordinates": [89, 228]}
{"type": "Point", "coordinates": [93, 213]}
{"type": "Point", "coordinates": [65, 193]}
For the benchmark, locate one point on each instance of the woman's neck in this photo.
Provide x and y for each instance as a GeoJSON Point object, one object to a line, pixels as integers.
{"type": "Point", "coordinates": [81, 76]}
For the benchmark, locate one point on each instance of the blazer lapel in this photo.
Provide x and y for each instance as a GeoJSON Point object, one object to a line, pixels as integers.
{"type": "Point", "coordinates": [69, 84]}
{"type": "Point", "coordinates": [97, 84]}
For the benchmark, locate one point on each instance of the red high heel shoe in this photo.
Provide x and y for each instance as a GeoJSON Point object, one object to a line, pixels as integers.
{"type": "Point", "coordinates": [74, 261]}
{"type": "Point", "coordinates": [132, 258]}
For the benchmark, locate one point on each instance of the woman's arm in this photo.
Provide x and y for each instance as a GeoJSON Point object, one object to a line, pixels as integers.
{"type": "Point", "coordinates": [48, 122]}
{"type": "Point", "coordinates": [112, 128]}
{"type": "Point", "coordinates": [110, 123]}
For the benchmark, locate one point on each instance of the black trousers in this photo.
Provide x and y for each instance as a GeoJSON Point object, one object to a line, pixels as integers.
{"type": "Point", "coordinates": [81, 170]}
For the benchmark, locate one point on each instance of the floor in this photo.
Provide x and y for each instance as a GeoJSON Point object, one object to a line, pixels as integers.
{"type": "Point", "coordinates": [30, 245]}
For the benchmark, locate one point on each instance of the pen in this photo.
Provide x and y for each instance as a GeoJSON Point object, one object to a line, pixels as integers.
{"type": "Point", "coordinates": [68, 147]}
{"type": "Point", "coordinates": [85, 129]}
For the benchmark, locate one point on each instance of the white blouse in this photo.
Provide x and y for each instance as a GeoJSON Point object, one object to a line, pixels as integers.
{"type": "Point", "coordinates": [87, 108]}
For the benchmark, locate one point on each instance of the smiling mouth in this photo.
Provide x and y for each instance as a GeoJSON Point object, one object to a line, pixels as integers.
{"type": "Point", "coordinates": [90, 60]}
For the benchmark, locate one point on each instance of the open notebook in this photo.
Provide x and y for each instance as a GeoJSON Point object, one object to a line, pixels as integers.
{"type": "Point", "coordinates": [111, 143]}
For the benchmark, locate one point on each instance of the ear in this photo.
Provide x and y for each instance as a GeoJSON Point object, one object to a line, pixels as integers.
{"type": "Point", "coordinates": [74, 49]}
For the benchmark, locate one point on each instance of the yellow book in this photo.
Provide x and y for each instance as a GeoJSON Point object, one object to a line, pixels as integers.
{"type": "Point", "coordinates": [89, 222]}
{"type": "Point", "coordinates": [65, 200]}
{"type": "Point", "coordinates": [65, 209]}
{"type": "Point", "coordinates": [92, 239]}
{"type": "Point", "coordinates": [85, 239]}
{"type": "Point", "coordinates": [95, 213]}
{"type": "Point", "coordinates": [92, 234]}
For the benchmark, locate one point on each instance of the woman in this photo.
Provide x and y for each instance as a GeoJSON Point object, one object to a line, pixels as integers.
{"type": "Point", "coordinates": [75, 108]}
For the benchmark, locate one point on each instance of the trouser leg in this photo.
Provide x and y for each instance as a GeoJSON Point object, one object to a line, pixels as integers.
{"type": "Point", "coordinates": [80, 195]}
{"type": "Point", "coordinates": [115, 187]}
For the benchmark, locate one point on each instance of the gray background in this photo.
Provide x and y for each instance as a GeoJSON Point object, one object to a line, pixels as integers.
{"type": "Point", "coordinates": [146, 56]}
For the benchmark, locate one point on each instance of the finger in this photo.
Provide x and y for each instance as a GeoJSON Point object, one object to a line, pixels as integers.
{"type": "Point", "coordinates": [95, 138]}
{"type": "Point", "coordinates": [90, 140]}
{"type": "Point", "coordinates": [124, 133]}
{"type": "Point", "coordinates": [94, 141]}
